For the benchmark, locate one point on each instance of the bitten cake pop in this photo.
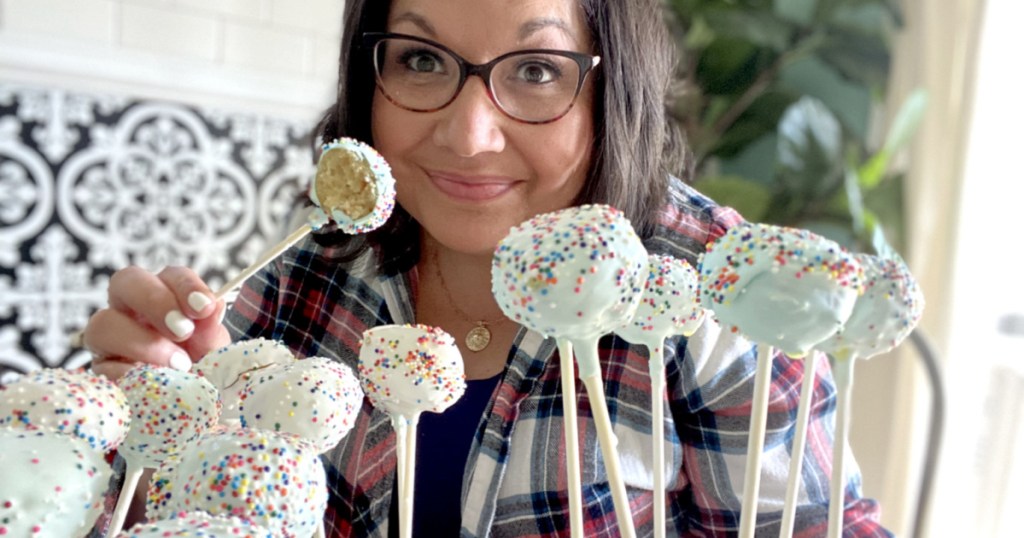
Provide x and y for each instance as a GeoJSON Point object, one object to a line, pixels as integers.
{"type": "Point", "coordinates": [197, 525]}
{"type": "Point", "coordinates": [52, 484]}
{"type": "Point", "coordinates": [669, 306]}
{"type": "Point", "coordinates": [170, 409]}
{"type": "Point", "coordinates": [316, 399]}
{"type": "Point", "coordinates": [576, 275]}
{"type": "Point", "coordinates": [229, 367]}
{"type": "Point", "coordinates": [882, 317]}
{"type": "Point", "coordinates": [78, 404]}
{"type": "Point", "coordinates": [353, 189]}
{"type": "Point", "coordinates": [406, 370]}
{"type": "Point", "coordinates": [780, 287]}
{"type": "Point", "coordinates": [274, 480]}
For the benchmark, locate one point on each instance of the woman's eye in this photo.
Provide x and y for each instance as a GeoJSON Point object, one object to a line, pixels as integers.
{"type": "Point", "coordinates": [538, 72]}
{"type": "Point", "coordinates": [422, 62]}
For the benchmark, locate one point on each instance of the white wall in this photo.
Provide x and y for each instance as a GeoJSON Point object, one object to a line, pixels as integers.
{"type": "Point", "coordinates": [277, 57]}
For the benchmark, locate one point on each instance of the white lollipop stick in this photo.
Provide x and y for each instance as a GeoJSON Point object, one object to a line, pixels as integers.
{"type": "Point", "coordinates": [320, 532]}
{"type": "Point", "coordinates": [266, 258]}
{"type": "Point", "coordinates": [133, 470]}
{"type": "Point", "coordinates": [405, 429]}
{"type": "Point", "coordinates": [843, 372]}
{"type": "Point", "coordinates": [755, 443]}
{"type": "Point", "coordinates": [572, 439]}
{"type": "Point", "coordinates": [799, 442]}
{"type": "Point", "coordinates": [656, 367]}
{"type": "Point", "coordinates": [606, 437]}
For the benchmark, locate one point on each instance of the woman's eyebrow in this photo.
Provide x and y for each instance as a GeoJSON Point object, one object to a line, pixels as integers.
{"type": "Point", "coordinates": [535, 25]}
{"type": "Point", "coordinates": [417, 20]}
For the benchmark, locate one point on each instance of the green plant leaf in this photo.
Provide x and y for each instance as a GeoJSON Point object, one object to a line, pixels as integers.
{"type": "Point", "coordinates": [797, 11]}
{"type": "Point", "coordinates": [751, 199]}
{"type": "Point", "coordinates": [907, 120]}
{"type": "Point", "coordinates": [849, 101]}
{"type": "Point", "coordinates": [854, 199]}
{"type": "Point", "coordinates": [756, 26]}
{"type": "Point", "coordinates": [859, 57]}
{"type": "Point", "coordinates": [903, 127]}
{"type": "Point", "coordinates": [869, 18]}
{"type": "Point", "coordinates": [761, 118]}
{"type": "Point", "coordinates": [728, 65]}
{"type": "Point", "coordinates": [755, 161]}
{"type": "Point", "coordinates": [881, 246]}
{"type": "Point", "coordinates": [810, 145]}
{"type": "Point", "coordinates": [699, 35]}
{"type": "Point", "coordinates": [870, 174]}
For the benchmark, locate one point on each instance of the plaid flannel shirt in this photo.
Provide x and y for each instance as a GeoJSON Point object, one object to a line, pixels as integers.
{"type": "Point", "coordinates": [515, 480]}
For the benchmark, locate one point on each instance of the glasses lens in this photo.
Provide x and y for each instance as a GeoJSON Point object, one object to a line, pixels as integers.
{"type": "Point", "coordinates": [535, 86]}
{"type": "Point", "coordinates": [414, 74]}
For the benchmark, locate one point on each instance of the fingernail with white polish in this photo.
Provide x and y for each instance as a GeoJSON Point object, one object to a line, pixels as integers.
{"type": "Point", "coordinates": [198, 301]}
{"type": "Point", "coordinates": [179, 324]}
{"type": "Point", "coordinates": [180, 361]}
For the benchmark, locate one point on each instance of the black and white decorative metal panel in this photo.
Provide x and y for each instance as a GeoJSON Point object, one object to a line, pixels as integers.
{"type": "Point", "coordinates": [92, 183]}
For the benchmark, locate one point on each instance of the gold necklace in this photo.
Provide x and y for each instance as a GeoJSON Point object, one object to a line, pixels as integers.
{"type": "Point", "coordinates": [479, 336]}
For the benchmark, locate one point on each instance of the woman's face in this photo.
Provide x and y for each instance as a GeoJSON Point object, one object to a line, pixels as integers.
{"type": "Point", "coordinates": [468, 172]}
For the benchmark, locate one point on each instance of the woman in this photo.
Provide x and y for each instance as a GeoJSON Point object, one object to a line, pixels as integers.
{"type": "Point", "coordinates": [578, 118]}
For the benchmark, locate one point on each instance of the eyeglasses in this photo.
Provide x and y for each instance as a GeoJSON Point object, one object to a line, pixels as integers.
{"type": "Point", "coordinates": [531, 86]}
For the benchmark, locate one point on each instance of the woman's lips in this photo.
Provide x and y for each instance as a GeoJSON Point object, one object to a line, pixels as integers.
{"type": "Point", "coordinates": [471, 188]}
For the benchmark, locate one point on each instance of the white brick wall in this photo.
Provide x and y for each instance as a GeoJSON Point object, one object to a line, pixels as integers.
{"type": "Point", "coordinates": [279, 56]}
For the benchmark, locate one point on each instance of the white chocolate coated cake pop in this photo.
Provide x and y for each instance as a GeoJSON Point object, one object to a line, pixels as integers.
{"type": "Point", "coordinates": [884, 314]}
{"type": "Point", "coordinates": [577, 273]}
{"type": "Point", "coordinates": [197, 525]}
{"type": "Point", "coordinates": [229, 367]}
{"type": "Point", "coordinates": [670, 303]}
{"type": "Point", "coordinates": [314, 398]}
{"type": "Point", "coordinates": [408, 369]}
{"type": "Point", "coordinates": [170, 409]}
{"type": "Point", "coordinates": [52, 484]}
{"type": "Point", "coordinates": [779, 286]}
{"type": "Point", "coordinates": [161, 490]}
{"type": "Point", "coordinates": [353, 187]}
{"type": "Point", "coordinates": [73, 403]}
{"type": "Point", "coordinates": [274, 480]}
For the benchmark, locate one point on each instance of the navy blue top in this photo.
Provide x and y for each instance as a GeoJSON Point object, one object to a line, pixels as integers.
{"type": "Point", "coordinates": [444, 439]}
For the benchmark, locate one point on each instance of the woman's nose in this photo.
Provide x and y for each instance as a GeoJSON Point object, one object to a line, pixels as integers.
{"type": "Point", "coordinates": [472, 124]}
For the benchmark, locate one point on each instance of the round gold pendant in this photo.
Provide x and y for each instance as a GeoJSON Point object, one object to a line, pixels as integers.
{"type": "Point", "coordinates": [478, 337]}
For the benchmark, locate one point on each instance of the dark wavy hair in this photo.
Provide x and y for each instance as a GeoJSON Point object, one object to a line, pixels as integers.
{"type": "Point", "coordinates": [637, 145]}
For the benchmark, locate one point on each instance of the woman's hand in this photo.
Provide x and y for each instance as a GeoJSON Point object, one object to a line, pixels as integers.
{"type": "Point", "coordinates": [166, 319]}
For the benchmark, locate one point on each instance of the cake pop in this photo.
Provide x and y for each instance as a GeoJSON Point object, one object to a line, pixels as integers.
{"type": "Point", "coordinates": [78, 404]}
{"type": "Point", "coordinates": [406, 370]}
{"type": "Point", "coordinates": [669, 306]}
{"type": "Point", "coordinates": [882, 317]}
{"type": "Point", "coordinates": [161, 491]}
{"type": "Point", "coordinates": [316, 399]}
{"type": "Point", "coordinates": [197, 525]}
{"type": "Point", "coordinates": [170, 409]}
{"type": "Point", "coordinates": [229, 367]}
{"type": "Point", "coordinates": [782, 288]}
{"type": "Point", "coordinates": [353, 189]}
{"type": "Point", "coordinates": [274, 480]}
{"type": "Point", "coordinates": [52, 484]}
{"type": "Point", "coordinates": [575, 274]}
